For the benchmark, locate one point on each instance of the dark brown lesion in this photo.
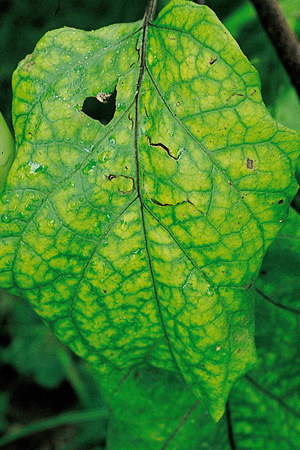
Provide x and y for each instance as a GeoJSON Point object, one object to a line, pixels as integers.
{"type": "Point", "coordinates": [112, 177]}
{"type": "Point", "coordinates": [131, 121]}
{"type": "Point", "coordinates": [235, 94]}
{"type": "Point", "coordinates": [156, 202]}
{"type": "Point", "coordinates": [212, 61]}
{"type": "Point", "coordinates": [137, 48]}
{"type": "Point", "coordinates": [164, 147]}
{"type": "Point", "coordinates": [250, 163]}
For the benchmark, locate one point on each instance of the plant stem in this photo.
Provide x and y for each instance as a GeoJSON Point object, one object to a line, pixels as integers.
{"type": "Point", "coordinates": [151, 8]}
{"type": "Point", "coordinates": [54, 422]}
{"type": "Point", "coordinates": [282, 37]}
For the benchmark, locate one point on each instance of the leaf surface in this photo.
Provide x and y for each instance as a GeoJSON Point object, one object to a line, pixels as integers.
{"type": "Point", "coordinates": [137, 240]}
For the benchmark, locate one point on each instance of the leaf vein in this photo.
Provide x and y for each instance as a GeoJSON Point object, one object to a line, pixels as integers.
{"type": "Point", "coordinates": [216, 165]}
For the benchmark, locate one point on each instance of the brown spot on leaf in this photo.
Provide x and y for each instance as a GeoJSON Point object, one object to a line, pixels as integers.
{"type": "Point", "coordinates": [250, 164]}
{"type": "Point", "coordinates": [121, 179]}
{"type": "Point", "coordinates": [131, 121]}
{"type": "Point", "coordinates": [235, 94]}
{"type": "Point", "coordinates": [169, 151]}
{"type": "Point", "coordinates": [156, 202]}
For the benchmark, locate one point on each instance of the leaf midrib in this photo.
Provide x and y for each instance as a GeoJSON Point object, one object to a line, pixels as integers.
{"type": "Point", "coordinates": [139, 185]}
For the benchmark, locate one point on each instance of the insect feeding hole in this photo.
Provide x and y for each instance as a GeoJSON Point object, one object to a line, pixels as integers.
{"type": "Point", "coordinates": [102, 107]}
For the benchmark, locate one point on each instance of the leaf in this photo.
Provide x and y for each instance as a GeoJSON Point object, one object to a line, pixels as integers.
{"type": "Point", "coordinates": [162, 414]}
{"type": "Point", "coordinates": [265, 405]}
{"type": "Point", "coordinates": [7, 150]}
{"type": "Point", "coordinates": [31, 349]}
{"type": "Point", "coordinates": [288, 108]}
{"type": "Point", "coordinates": [287, 111]}
{"type": "Point", "coordinates": [137, 241]}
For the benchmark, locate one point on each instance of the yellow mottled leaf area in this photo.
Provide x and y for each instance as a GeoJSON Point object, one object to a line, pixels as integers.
{"type": "Point", "coordinates": [138, 241]}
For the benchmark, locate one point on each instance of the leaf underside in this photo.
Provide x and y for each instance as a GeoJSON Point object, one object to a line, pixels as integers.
{"type": "Point", "coordinates": [138, 241]}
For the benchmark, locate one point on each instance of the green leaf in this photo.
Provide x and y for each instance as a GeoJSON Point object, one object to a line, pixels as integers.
{"type": "Point", "coordinates": [161, 413]}
{"type": "Point", "coordinates": [137, 241]}
{"type": "Point", "coordinates": [287, 108]}
{"type": "Point", "coordinates": [7, 151]}
{"type": "Point", "coordinates": [265, 405]}
{"type": "Point", "coordinates": [32, 349]}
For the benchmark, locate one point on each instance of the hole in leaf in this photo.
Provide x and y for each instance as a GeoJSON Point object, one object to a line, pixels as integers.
{"type": "Point", "coordinates": [102, 107]}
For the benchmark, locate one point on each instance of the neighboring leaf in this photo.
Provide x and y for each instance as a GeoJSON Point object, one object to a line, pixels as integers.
{"type": "Point", "coordinates": [161, 413]}
{"type": "Point", "coordinates": [32, 349]}
{"type": "Point", "coordinates": [291, 11]}
{"type": "Point", "coordinates": [7, 151]}
{"type": "Point", "coordinates": [138, 241]}
{"type": "Point", "coordinates": [287, 111]}
{"type": "Point", "coordinates": [242, 15]}
{"type": "Point", "coordinates": [265, 406]}
{"type": "Point", "coordinates": [287, 108]}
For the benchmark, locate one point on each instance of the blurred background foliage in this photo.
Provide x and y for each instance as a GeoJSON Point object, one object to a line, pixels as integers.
{"type": "Point", "coordinates": [39, 377]}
